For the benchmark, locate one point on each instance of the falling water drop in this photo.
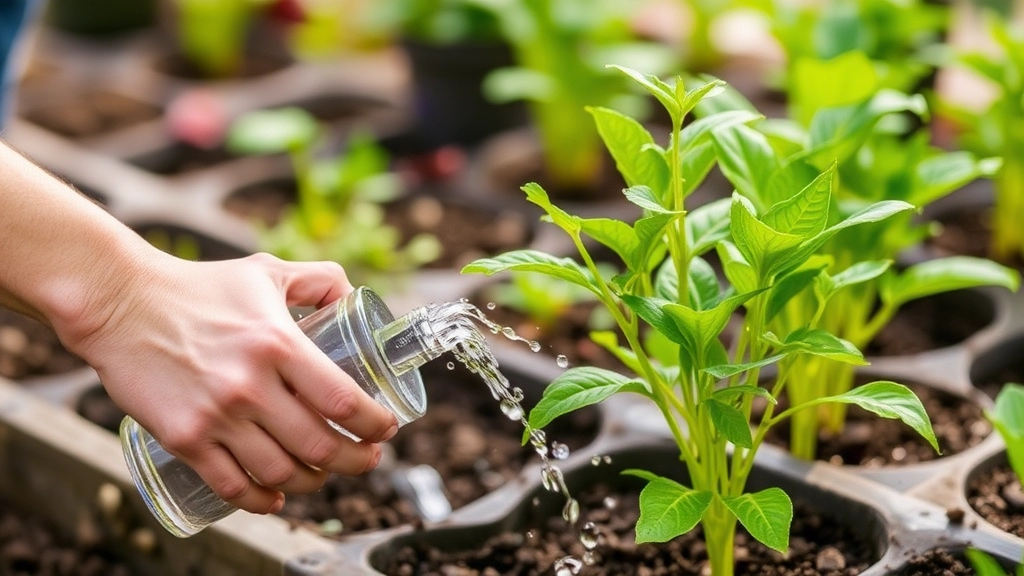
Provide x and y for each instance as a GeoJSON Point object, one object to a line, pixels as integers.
{"type": "Point", "coordinates": [607, 459]}
{"type": "Point", "coordinates": [551, 478]}
{"type": "Point", "coordinates": [491, 305]}
{"type": "Point", "coordinates": [508, 332]}
{"type": "Point", "coordinates": [595, 460]}
{"type": "Point", "coordinates": [589, 558]}
{"type": "Point", "coordinates": [568, 566]}
{"type": "Point", "coordinates": [559, 451]}
{"type": "Point", "coordinates": [610, 502]}
{"type": "Point", "coordinates": [535, 346]}
{"type": "Point", "coordinates": [562, 361]}
{"type": "Point", "coordinates": [511, 409]}
{"type": "Point", "coordinates": [451, 365]}
{"type": "Point", "coordinates": [589, 536]}
{"type": "Point", "coordinates": [571, 511]}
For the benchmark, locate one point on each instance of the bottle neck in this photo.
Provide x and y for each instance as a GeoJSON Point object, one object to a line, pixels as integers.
{"type": "Point", "coordinates": [409, 342]}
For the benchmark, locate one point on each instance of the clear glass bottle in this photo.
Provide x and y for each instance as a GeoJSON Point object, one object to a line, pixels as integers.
{"type": "Point", "coordinates": [361, 336]}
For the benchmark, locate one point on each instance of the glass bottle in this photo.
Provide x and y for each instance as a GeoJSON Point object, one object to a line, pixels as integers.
{"type": "Point", "coordinates": [360, 334]}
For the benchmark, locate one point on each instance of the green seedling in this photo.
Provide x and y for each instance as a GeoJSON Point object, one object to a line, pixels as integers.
{"type": "Point", "coordinates": [438, 21]}
{"type": "Point", "coordinates": [212, 34]}
{"type": "Point", "coordinates": [560, 47]}
{"type": "Point", "coordinates": [1008, 418]}
{"type": "Point", "coordinates": [673, 312]}
{"type": "Point", "coordinates": [852, 290]}
{"type": "Point", "coordinates": [999, 130]}
{"type": "Point", "coordinates": [338, 213]}
{"type": "Point", "coordinates": [985, 565]}
{"type": "Point", "coordinates": [898, 36]}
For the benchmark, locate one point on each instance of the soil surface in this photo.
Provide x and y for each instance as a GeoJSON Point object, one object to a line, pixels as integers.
{"type": "Point", "coordinates": [937, 562]}
{"type": "Point", "coordinates": [996, 494]}
{"type": "Point", "coordinates": [254, 64]}
{"type": "Point", "coordinates": [968, 231]}
{"type": "Point", "coordinates": [30, 546]}
{"type": "Point", "coordinates": [181, 158]}
{"type": "Point", "coordinates": [818, 546]}
{"type": "Point", "coordinates": [928, 324]}
{"type": "Point", "coordinates": [872, 441]}
{"type": "Point", "coordinates": [466, 232]}
{"type": "Point", "coordinates": [29, 348]}
{"type": "Point", "coordinates": [463, 435]}
{"type": "Point", "coordinates": [93, 113]}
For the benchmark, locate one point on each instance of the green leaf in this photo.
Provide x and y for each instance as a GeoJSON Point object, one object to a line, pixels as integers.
{"type": "Point", "coordinates": [667, 508]}
{"type": "Point", "coordinates": [746, 159]}
{"type": "Point", "coordinates": [859, 273]}
{"type": "Point", "coordinates": [579, 387]}
{"type": "Point", "coordinates": [726, 394]}
{"type": "Point", "coordinates": [645, 198]}
{"type": "Point", "coordinates": [535, 261]}
{"type": "Point", "coordinates": [537, 195]}
{"type": "Point", "coordinates": [942, 174]}
{"type": "Point", "coordinates": [737, 270]}
{"type": "Point", "coordinates": [650, 232]}
{"type": "Point", "coordinates": [805, 213]}
{"type": "Point", "coordinates": [1008, 417]}
{"type": "Point", "coordinates": [822, 343]}
{"type": "Point", "coordinates": [724, 371]}
{"type": "Point", "coordinates": [846, 79]}
{"type": "Point", "coordinates": [947, 274]}
{"type": "Point", "coordinates": [984, 564]}
{"type": "Point", "coordinates": [888, 400]}
{"type": "Point", "coordinates": [698, 152]}
{"type": "Point", "coordinates": [626, 139]}
{"type": "Point", "coordinates": [787, 288]}
{"type": "Point", "coordinates": [761, 245]}
{"type": "Point", "coordinates": [699, 328]}
{"type": "Point", "coordinates": [703, 284]}
{"type": "Point", "coordinates": [837, 132]}
{"type": "Point", "coordinates": [513, 83]}
{"type": "Point", "coordinates": [707, 225]}
{"type": "Point", "coordinates": [730, 423]}
{"type": "Point", "coordinates": [273, 131]}
{"type": "Point", "coordinates": [657, 88]}
{"type": "Point", "coordinates": [651, 310]}
{"type": "Point", "coordinates": [709, 89]}
{"type": "Point", "coordinates": [767, 515]}
{"type": "Point", "coordinates": [614, 234]}
{"type": "Point", "coordinates": [666, 282]}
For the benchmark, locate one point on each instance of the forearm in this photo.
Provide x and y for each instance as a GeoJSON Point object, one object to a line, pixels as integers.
{"type": "Point", "coordinates": [63, 257]}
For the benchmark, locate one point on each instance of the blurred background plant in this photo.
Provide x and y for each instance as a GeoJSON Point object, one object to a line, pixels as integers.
{"type": "Point", "coordinates": [338, 213]}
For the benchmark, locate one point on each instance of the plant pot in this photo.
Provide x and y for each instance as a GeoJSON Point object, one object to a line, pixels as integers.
{"type": "Point", "coordinates": [101, 17]}
{"type": "Point", "coordinates": [448, 103]}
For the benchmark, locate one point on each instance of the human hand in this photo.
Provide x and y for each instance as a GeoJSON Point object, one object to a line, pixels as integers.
{"type": "Point", "coordinates": [207, 358]}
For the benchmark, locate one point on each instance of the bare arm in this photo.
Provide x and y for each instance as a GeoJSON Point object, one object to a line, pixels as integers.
{"type": "Point", "coordinates": [203, 354]}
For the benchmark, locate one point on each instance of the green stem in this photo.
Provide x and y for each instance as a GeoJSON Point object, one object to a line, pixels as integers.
{"type": "Point", "coordinates": [720, 536]}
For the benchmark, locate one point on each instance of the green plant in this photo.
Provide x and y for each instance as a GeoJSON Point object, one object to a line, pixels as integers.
{"type": "Point", "coordinates": [438, 21]}
{"type": "Point", "coordinates": [897, 35]}
{"type": "Point", "coordinates": [985, 565]}
{"type": "Point", "coordinates": [999, 130]}
{"type": "Point", "coordinates": [212, 33]}
{"type": "Point", "coordinates": [543, 299]}
{"type": "Point", "coordinates": [852, 290]}
{"type": "Point", "coordinates": [560, 47]}
{"type": "Point", "coordinates": [1008, 418]}
{"type": "Point", "coordinates": [337, 214]}
{"type": "Point", "coordinates": [672, 311]}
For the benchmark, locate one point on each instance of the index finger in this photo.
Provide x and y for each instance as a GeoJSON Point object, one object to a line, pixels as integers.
{"type": "Point", "coordinates": [336, 396]}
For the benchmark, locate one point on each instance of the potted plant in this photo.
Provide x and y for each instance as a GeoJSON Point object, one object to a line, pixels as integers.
{"type": "Point", "coordinates": [704, 392]}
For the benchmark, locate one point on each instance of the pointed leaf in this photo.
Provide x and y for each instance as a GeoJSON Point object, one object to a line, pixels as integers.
{"type": "Point", "coordinates": [625, 139]}
{"type": "Point", "coordinates": [656, 87]}
{"type": "Point", "coordinates": [650, 233]}
{"type": "Point", "coordinates": [537, 195]}
{"type": "Point", "coordinates": [273, 131]}
{"type": "Point", "coordinates": [645, 198]}
{"type": "Point", "coordinates": [947, 274]}
{"type": "Point", "coordinates": [535, 261]}
{"type": "Point", "coordinates": [889, 400]}
{"type": "Point", "coordinates": [806, 213]}
{"type": "Point", "coordinates": [666, 282]}
{"type": "Point", "coordinates": [724, 371]}
{"type": "Point", "coordinates": [730, 423]}
{"type": "Point", "coordinates": [859, 273]}
{"type": "Point", "coordinates": [708, 225]}
{"type": "Point", "coordinates": [651, 310]}
{"type": "Point", "coordinates": [1008, 418]}
{"type": "Point", "coordinates": [942, 174]}
{"type": "Point", "coordinates": [767, 515]}
{"type": "Point", "coordinates": [709, 89]}
{"type": "Point", "coordinates": [760, 245]}
{"type": "Point", "coordinates": [703, 284]}
{"type": "Point", "coordinates": [821, 343]}
{"type": "Point", "coordinates": [614, 234]}
{"type": "Point", "coordinates": [784, 290]}
{"type": "Point", "coordinates": [984, 564]}
{"type": "Point", "coordinates": [726, 394]}
{"type": "Point", "coordinates": [667, 508]}
{"type": "Point", "coordinates": [579, 387]}
{"type": "Point", "coordinates": [739, 272]}
{"type": "Point", "coordinates": [746, 159]}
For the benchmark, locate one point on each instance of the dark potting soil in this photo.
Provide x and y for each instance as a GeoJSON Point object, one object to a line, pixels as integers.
{"type": "Point", "coordinates": [465, 232]}
{"type": "Point", "coordinates": [818, 546]}
{"type": "Point", "coordinates": [927, 324]}
{"type": "Point", "coordinates": [937, 562]}
{"type": "Point", "coordinates": [968, 232]}
{"type": "Point", "coordinates": [29, 348]}
{"type": "Point", "coordinates": [872, 441]}
{"type": "Point", "coordinates": [463, 435]}
{"type": "Point", "coordinates": [28, 546]}
{"type": "Point", "coordinates": [254, 64]}
{"type": "Point", "coordinates": [180, 158]}
{"type": "Point", "coordinates": [997, 496]}
{"type": "Point", "coordinates": [93, 113]}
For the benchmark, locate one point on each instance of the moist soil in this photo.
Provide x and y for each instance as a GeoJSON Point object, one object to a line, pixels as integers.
{"type": "Point", "coordinates": [466, 232]}
{"type": "Point", "coordinates": [181, 158]}
{"type": "Point", "coordinates": [254, 65]}
{"type": "Point", "coordinates": [818, 546]}
{"type": "Point", "coordinates": [29, 348]}
{"type": "Point", "coordinates": [927, 324]}
{"type": "Point", "coordinates": [463, 435]}
{"type": "Point", "coordinates": [968, 232]}
{"type": "Point", "coordinates": [937, 562]}
{"type": "Point", "coordinates": [997, 496]}
{"type": "Point", "coordinates": [93, 113]}
{"type": "Point", "coordinates": [872, 441]}
{"type": "Point", "coordinates": [30, 546]}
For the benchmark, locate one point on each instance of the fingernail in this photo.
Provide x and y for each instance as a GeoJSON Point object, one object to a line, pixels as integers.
{"type": "Point", "coordinates": [277, 505]}
{"type": "Point", "coordinates": [390, 433]}
{"type": "Point", "coordinates": [376, 457]}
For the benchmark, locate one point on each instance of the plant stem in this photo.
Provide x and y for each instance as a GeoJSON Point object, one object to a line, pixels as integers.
{"type": "Point", "coordinates": [720, 536]}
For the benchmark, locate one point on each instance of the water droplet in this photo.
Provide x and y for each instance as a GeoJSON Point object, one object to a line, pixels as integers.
{"type": "Point", "coordinates": [535, 346]}
{"type": "Point", "coordinates": [531, 534]}
{"type": "Point", "coordinates": [562, 361]}
{"type": "Point", "coordinates": [559, 451]}
{"type": "Point", "coordinates": [538, 436]}
{"type": "Point", "coordinates": [491, 305]}
{"type": "Point", "coordinates": [607, 459]}
{"type": "Point", "coordinates": [595, 460]}
{"type": "Point", "coordinates": [508, 332]}
{"type": "Point", "coordinates": [571, 511]}
{"type": "Point", "coordinates": [589, 536]}
{"type": "Point", "coordinates": [535, 502]}
{"type": "Point", "coordinates": [568, 566]}
{"type": "Point", "coordinates": [451, 365]}
{"type": "Point", "coordinates": [517, 395]}
{"type": "Point", "coordinates": [511, 409]}
{"type": "Point", "coordinates": [589, 558]}
{"type": "Point", "coordinates": [551, 478]}
{"type": "Point", "coordinates": [610, 502]}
